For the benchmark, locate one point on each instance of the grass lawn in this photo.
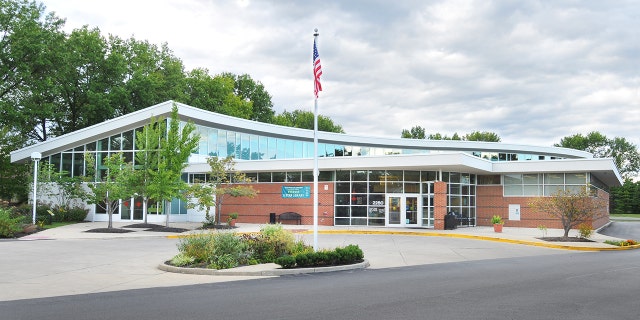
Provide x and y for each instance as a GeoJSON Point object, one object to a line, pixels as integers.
{"type": "Point", "coordinates": [625, 215]}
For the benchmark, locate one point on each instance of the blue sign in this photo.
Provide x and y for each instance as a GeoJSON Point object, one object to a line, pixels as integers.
{"type": "Point", "coordinates": [289, 192]}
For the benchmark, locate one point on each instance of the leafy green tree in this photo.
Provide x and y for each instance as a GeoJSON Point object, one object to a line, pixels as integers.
{"type": "Point", "coordinates": [28, 61]}
{"type": "Point", "coordinates": [481, 136]}
{"type": "Point", "coordinates": [626, 199]}
{"type": "Point", "coordinates": [151, 74]}
{"type": "Point", "coordinates": [572, 208]}
{"type": "Point", "coordinates": [226, 181]}
{"type": "Point", "coordinates": [248, 89]}
{"type": "Point", "coordinates": [176, 146]}
{"type": "Point", "coordinates": [61, 186]}
{"type": "Point", "coordinates": [624, 153]}
{"type": "Point", "coordinates": [109, 184]}
{"type": "Point", "coordinates": [146, 159]}
{"type": "Point", "coordinates": [304, 120]}
{"type": "Point", "coordinates": [14, 178]}
{"type": "Point", "coordinates": [416, 132]}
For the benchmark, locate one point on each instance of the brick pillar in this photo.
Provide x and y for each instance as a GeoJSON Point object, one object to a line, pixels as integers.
{"type": "Point", "coordinates": [439, 204]}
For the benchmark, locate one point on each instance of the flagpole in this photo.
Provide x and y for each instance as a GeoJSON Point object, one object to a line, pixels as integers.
{"type": "Point", "coordinates": [316, 172]}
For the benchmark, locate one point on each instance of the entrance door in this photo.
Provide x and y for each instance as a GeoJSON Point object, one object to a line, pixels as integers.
{"type": "Point", "coordinates": [403, 210]}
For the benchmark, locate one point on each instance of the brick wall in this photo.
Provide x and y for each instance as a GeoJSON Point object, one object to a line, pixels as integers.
{"type": "Point", "coordinates": [439, 204]}
{"type": "Point", "coordinates": [489, 202]}
{"type": "Point", "coordinates": [269, 199]}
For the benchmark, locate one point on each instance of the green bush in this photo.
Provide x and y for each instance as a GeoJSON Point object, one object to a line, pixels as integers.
{"type": "Point", "coordinates": [585, 231]}
{"type": "Point", "coordinates": [217, 250]}
{"type": "Point", "coordinates": [287, 262]}
{"type": "Point", "coordinates": [339, 256]}
{"type": "Point", "coordinates": [181, 260]}
{"type": "Point", "coordinates": [199, 247]}
{"type": "Point", "coordinates": [272, 242]}
{"type": "Point", "coordinates": [9, 226]}
{"type": "Point", "coordinates": [76, 214]}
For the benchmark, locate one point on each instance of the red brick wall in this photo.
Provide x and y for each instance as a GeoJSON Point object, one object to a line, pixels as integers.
{"type": "Point", "coordinates": [489, 202]}
{"type": "Point", "coordinates": [269, 199]}
{"type": "Point", "coordinates": [439, 204]}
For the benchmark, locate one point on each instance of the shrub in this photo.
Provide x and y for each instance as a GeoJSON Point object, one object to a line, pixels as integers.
{"type": "Point", "coordinates": [584, 231]}
{"type": "Point", "coordinates": [9, 226]}
{"type": "Point", "coordinates": [181, 260]}
{"type": "Point", "coordinates": [272, 242]}
{"type": "Point", "coordinates": [218, 250]}
{"type": "Point", "coordinates": [339, 256]}
{"type": "Point", "coordinates": [287, 261]}
{"type": "Point", "coordinates": [77, 214]}
{"type": "Point", "coordinates": [199, 247]}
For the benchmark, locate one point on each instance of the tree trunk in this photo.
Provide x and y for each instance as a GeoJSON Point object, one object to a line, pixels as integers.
{"type": "Point", "coordinates": [167, 212]}
{"type": "Point", "coordinates": [110, 223]}
{"type": "Point", "coordinates": [144, 208]}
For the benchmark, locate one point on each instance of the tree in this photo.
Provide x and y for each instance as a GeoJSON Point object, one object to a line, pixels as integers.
{"type": "Point", "coordinates": [109, 182]}
{"type": "Point", "coordinates": [481, 136]}
{"type": "Point", "coordinates": [624, 153]}
{"type": "Point", "coordinates": [176, 146]}
{"type": "Point", "coordinates": [65, 189]}
{"type": "Point", "coordinates": [626, 199]}
{"type": "Point", "coordinates": [146, 160]}
{"type": "Point", "coordinates": [14, 178]}
{"type": "Point", "coordinates": [249, 90]}
{"type": "Point", "coordinates": [304, 120]}
{"type": "Point", "coordinates": [570, 206]}
{"type": "Point", "coordinates": [29, 49]}
{"type": "Point", "coordinates": [416, 132]}
{"type": "Point", "coordinates": [225, 181]}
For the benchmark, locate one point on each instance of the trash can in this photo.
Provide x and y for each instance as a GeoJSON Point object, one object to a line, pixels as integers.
{"type": "Point", "coordinates": [450, 221]}
{"type": "Point", "coordinates": [272, 217]}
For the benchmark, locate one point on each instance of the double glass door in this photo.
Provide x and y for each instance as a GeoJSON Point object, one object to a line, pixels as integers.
{"type": "Point", "coordinates": [404, 210]}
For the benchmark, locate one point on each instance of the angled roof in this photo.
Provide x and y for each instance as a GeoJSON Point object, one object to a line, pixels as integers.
{"type": "Point", "coordinates": [451, 155]}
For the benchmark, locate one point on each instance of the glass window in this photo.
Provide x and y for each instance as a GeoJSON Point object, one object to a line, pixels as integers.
{"type": "Point", "coordinates": [359, 211]}
{"type": "Point", "coordinates": [67, 162]}
{"type": "Point", "coordinates": [359, 175]}
{"type": "Point", "coordinates": [326, 176]}
{"type": "Point", "coordinates": [510, 179]}
{"type": "Point", "coordinates": [91, 146]}
{"type": "Point", "coordinates": [530, 179]}
{"type": "Point", "coordinates": [255, 147]}
{"type": "Point", "coordinates": [115, 142]}
{"type": "Point", "coordinates": [576, 178]}
{"type": "Point", "coordinates": [307, 176]}
{"type": "Point", "coordinates": [342, 211]}
{"type": "Point", "coordinates": [429, 176]}
{"type": "Point", "coordinates": [359, 187]}
{"type": "Point", "coordinates": [553, 178]}
{"type": "Point", "coordinates": [343, 199]}
{"type": "Point", "coordinates": [343, 187]}
{"type": "Point", "coordinates": [264, 176]}
{"type": "Point", "coordinates": [489, 180]}
{"type": "Point", "coordinates": [222, 144]}
{"type": "Point", "coordinates": [278, 177]}
{"type": "Point", "coordinates": [127, 140]}
{"type": "Point", "coordinates": [293, 176]}
{"type": "Point", "coordinates": [343, 175]}
{"type": "Point", "coordinates": [513, 190]}
{"type": "Point", "coordinates": [413, 176]}
{"type": "Point", "coordinates": [281, 146]}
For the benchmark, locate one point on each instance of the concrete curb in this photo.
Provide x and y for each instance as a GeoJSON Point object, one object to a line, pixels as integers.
{"type": "Point", "coordinates": [461, 236]}
{"type": "Point", "coordinates": [486, 238]}
{"type": "Point", "coordinates": [270, 270]}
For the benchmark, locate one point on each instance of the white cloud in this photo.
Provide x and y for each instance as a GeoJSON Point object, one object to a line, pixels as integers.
{"type": "Point", "coordinates": [530, 71]}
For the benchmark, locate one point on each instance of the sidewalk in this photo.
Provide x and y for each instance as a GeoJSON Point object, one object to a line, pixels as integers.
{"type": "Point", "coordinates": [68, 260]}
{"type": "Point", "coordinates": [523, 236]}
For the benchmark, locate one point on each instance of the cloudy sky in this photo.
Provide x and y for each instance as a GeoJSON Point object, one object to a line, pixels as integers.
{"type": "Point", "coordinates": [531, 71]}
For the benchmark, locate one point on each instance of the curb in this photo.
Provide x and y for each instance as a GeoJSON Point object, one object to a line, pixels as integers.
{"type": "Point", "coordinates": [262, 273]}
{"type": "Point", "coordinates": [485, 238]}
{"type": "Point", "coordinates": [462, 236]}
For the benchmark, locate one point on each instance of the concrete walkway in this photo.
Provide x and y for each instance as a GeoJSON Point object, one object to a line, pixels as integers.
{"type": "Point", "coordinates": [67, 260]}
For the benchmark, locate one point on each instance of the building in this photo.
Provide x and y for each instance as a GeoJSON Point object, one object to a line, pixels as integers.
{"type": "Point", "coordinates": [363, 181]}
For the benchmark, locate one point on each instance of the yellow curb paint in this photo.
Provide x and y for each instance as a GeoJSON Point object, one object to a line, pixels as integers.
{"type": "Point", "coordinates": [453, 235]}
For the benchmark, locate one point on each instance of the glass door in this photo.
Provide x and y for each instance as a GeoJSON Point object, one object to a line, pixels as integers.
{"type": "Point", "coordinates": [403, 210]}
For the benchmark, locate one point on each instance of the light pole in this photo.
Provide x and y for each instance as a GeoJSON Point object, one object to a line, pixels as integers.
{"type": "Point", "coordinates": [35, 156]}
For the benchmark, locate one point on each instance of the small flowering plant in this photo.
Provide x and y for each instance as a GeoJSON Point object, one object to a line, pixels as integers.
{"type": "Point", "coordinates": [496, 219]}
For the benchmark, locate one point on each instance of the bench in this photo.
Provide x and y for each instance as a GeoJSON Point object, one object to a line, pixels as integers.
{"type": "Point", "coordinates": [290, 216]}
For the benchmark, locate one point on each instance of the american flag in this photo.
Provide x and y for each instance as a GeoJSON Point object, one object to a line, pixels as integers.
{"type": "Point", "coordinates": [317, 70]}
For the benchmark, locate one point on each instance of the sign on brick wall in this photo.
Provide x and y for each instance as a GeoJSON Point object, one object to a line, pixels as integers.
{"type": "Point", "coordinates": [292, 192]}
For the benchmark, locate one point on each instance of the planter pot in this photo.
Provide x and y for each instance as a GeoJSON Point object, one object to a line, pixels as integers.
{"type": "Point", "coordinates": [232, 222]}
{"type": "Point", "coordinates": [497, 227]}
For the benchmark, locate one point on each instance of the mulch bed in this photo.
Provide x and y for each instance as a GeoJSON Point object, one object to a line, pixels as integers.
{"type": "Point", "coordinates": [217, 226]}
{"type": "Point", "coordinates": [563, 239]}
{"type": "Point", "coordinates": [144, 226]}
{"type": "Point", "coordinates": [109, 230]}
{"type": "Point", "coordinates": [168, 229]}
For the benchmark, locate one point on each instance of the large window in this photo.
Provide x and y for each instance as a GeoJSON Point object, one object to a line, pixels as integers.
{"type": "Point", "coordinates": [539, 184]}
